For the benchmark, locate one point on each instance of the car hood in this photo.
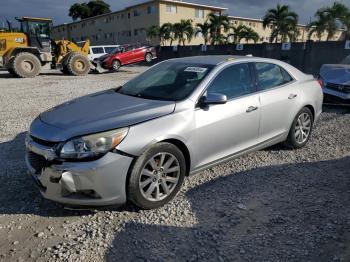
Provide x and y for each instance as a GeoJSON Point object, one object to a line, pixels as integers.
{"type": "Point", "coordinates": [336, 73]}
{"type": "Point", "coordinates": [97, 113]}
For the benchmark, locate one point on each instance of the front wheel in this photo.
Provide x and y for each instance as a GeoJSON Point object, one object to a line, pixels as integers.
{"type": "Point", "coordinates": [156, 176]}
{"type": "Point", "coordinates": [148, 57]}
{"type": "Point", "coordinates": [300, 130]}
{"type": "Point", "coordinates": [116, 65]}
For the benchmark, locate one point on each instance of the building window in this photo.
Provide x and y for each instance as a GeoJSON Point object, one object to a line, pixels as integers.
{"type": "Point", "coordinates": [199, 13]}
{"type": "Point", "coordinates": [151, 9]}
{"type": "Point", "coordinates": [171, 9]}
{"type": "Point", "coordinates": [137, 12]}
{"type": "Point", "coordinates": [129, 15]}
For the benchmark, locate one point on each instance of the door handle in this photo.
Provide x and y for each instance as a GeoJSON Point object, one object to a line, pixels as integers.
{"type": "Point", "coordinates": [291, 96]}
{"type": "Point", "coordinates": [251, 109]}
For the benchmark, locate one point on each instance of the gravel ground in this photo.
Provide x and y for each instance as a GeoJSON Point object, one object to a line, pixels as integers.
{"type": "Point", "coordinates": [272, 205]}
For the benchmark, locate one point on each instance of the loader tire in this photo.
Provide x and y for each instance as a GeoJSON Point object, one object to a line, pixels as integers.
{"type": "Point", "coordinates": [65, 71]}
{"type": "Point", "coordinates": [25, 65]}
{"type": "Point", "coordinates": [78, 64]}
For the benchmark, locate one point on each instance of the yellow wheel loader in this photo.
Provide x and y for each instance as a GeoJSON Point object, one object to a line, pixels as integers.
{"type": "Point", "coordinates": [24, 53]}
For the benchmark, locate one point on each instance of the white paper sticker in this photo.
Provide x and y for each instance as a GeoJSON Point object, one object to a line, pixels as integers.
{"type": "Point", "coordinates": [196, 69]}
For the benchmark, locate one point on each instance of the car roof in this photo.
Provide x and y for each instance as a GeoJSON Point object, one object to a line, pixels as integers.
{"type": "Point", "coordinates": [217, 60]}
{"type": "Point", "coordinates": [209, 59]}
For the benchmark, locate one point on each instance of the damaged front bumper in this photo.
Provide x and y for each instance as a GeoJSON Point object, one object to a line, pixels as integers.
{"type": "Point", "coordinates": [91, 183]}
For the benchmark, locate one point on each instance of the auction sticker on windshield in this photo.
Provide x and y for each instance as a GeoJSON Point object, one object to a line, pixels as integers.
{"type": "Point", "coordinates": [196, 69]}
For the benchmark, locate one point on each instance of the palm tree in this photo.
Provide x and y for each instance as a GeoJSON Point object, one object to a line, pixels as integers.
{"type": "Point", "coordinates": [282, 20]}
{"type": "Point", "coordinates": [217, 23]}
{"type": "Point", "coordinates": [204, 31]}
{"type": "Point", "coordinates": [317, 26]}
{"type": "Point", "coordinates": [339, 13]}
{"type": "Point", "coordinates": [250, 34]}
{"type": "Point", "coordinates": [331, 18]}
{"type": "Point", "coordinates": [153, 32]}
{"type": "Point", "coordinates": [183, 31]}
{"type": "Point", "coordinates": [166, 33]}
{"type": "Point", "coordinates": [243, 32]}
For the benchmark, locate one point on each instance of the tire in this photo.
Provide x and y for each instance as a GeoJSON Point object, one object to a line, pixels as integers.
{"type": "Point", "coordinates": [65, 70]}
{"type": "Point", "coordinates": [148, 57]}
{"type": "Point", "coordinates": [116, 65]}
{"type": "Point", "coordinates": [78, 64]}
{"type": "Point", "coordinates": [146, 187]}
{"type": "Point", "coordinates": [25, 65]}
{"type": "Point", "coordinates": [300, 131]}
{"type": "Point", "coordinates": [12, 72]}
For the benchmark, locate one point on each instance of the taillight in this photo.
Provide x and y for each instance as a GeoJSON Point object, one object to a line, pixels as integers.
{"type": "Point", "coordinates": [320, 81]}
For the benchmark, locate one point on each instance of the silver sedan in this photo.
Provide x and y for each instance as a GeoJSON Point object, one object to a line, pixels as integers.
{"type": "Point", "coordinates": [137, 142]}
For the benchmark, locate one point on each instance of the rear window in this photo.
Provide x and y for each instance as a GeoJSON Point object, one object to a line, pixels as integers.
{"type": "Point", "coordinates": [97, 50]}
{"type": "Point", "coordinates": [271, 75]}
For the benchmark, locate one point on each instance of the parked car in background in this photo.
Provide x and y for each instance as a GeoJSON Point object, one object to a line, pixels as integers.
{"type": "Point", "coordinates": [100, 50]}
{"type": "Point", "coordinates": [179, 117]}
{"type": "Point", "coordinates": [127, 54]}
{"type": "Point", "coordinates": [335, 80]}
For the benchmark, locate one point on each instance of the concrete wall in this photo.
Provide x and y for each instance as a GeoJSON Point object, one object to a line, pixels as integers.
{"type": "Point", "coordinates": [308, 57]}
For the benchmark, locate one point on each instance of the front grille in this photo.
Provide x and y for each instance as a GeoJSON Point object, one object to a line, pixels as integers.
{"type": "Point", "coordinates": [338, 87]}
{"type": "Point", "coordinates": [38, 162]}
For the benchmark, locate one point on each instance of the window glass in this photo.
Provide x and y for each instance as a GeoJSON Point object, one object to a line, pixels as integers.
{"type": "Point", "coordinates": [151, 9]}
{"type": "Point", "coordinates": [271, 75]}
{"type": "Point", "coordinates": [199, 13]}
{"type": "Point", "coordinates": [97, 50]}
{"type": "Point", "coordinates": [171, 9]}
{"type": "Point", "coordinates": [167, 81]}
{"type": "Point", "coordinates": [109, 49]}
{"type": "Point", "coordinates": [233, 81]}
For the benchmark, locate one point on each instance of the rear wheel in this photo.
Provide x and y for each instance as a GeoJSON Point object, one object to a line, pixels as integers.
{"type": "Point", "coordinates": [116, 65]}
{"type": "Point", "coordinates": [25, 65]}
{"type": "Point", "coordinates": [77, 65]}
{"type": "Point", "coordinates": [156, 176]}
{"type": "Point", "coordinates": [148, 57]}
{"type": "Point", "coordinates": [301, 129]}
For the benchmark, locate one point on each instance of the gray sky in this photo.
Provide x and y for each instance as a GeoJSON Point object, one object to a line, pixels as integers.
{"type": "Point", "coordinates": [58, 9]}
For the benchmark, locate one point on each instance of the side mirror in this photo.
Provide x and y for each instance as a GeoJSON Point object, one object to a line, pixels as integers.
{"type": "Point", "coordinates": [213, 99]}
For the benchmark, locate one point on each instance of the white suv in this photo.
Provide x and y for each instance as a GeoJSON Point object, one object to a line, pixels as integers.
{"type": "Point", "coordinates": [100, 50]}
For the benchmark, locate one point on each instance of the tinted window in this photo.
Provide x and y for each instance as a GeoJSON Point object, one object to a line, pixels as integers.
{"type": "Point", "coordinates": [167, 81]}
{"type": "Point", "coordinates": [271, 75]}
{"type": "Point", "coordinates": [233, 81]}
{"type": "Point", "coordinates": [109, 49]}
{"type": "Point", "coordinates": [97, 50]}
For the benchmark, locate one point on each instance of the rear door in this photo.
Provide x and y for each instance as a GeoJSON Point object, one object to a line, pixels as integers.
{"type": "Point", "coordinates": [279, 96]}
{"type": "Point", "coordinates": [139, 54]}
{"type": "Point", "coordinates": [223, 130]}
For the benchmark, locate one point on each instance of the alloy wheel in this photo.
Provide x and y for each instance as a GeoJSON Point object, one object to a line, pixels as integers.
{"type": "Point", "coordinates": [302, 128]}
{"type": "Point", "coordinates": [159, 176]}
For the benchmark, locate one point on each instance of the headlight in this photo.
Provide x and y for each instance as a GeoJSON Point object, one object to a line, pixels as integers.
{"type": "Point", "coordinates": [93, 145]}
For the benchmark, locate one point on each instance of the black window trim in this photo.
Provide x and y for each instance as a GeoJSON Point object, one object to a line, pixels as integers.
{"type": "Point", "coordinates": [252, 86]}
{"type": "Point", "coordinates": [256, 77]}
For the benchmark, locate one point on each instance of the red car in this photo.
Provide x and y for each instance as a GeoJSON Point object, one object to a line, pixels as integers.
{"type": "Point", "coordinates": [127, 54]}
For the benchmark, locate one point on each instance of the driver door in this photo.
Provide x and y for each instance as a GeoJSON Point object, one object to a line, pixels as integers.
{"type": "Point", "coordinates": [226, 129]}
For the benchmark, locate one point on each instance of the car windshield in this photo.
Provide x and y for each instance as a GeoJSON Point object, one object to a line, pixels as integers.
{"type": "Point", "coordinates": [171, 81]}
